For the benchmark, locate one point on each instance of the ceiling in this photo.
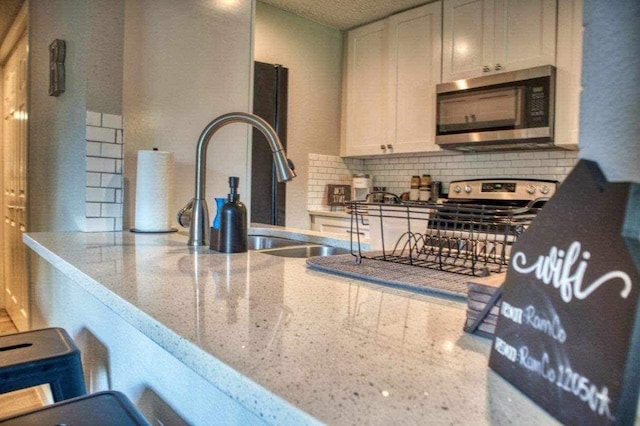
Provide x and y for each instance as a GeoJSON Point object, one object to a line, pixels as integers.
{"type": "Point", "coordinates": [344, 14]}
{"type": "Point", "coordinates": [340, 14]}
{"type": "Point", "coordinates": [8, 11]}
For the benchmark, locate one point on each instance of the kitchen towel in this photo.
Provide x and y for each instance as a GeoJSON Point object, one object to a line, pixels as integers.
{"type": "Point", "coordinates": [154, 191]}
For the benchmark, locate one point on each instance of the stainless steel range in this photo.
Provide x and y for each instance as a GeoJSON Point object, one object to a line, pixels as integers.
{"type": "Point", "coordinates": [469, 233]}
{"type": "Point", "coordinates": [509, 191]}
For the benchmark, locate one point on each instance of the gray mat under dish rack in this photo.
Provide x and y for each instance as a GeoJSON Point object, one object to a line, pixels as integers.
{"type": "Point", "coordinates": [396, 275]}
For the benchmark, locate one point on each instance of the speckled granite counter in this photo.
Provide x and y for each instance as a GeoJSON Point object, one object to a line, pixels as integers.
{"type": "Point", "coordinates": [289, 343]}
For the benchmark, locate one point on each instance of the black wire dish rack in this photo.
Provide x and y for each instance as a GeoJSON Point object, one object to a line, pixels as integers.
{"type": "Point", "coordinates": [469, 239]}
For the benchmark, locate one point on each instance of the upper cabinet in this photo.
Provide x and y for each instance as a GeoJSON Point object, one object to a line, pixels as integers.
{"type": "Point", "coordinates": [393, 67]}
{"type": "Point", "coordinates": [481, 37]}
{"type": "Point", "coordinates": [366, 90]}
{"type": "Point", "coordinates": [414, 68]}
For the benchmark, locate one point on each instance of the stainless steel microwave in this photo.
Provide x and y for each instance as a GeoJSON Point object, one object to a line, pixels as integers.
{"type": "Point", "coordinates": [511, 110]}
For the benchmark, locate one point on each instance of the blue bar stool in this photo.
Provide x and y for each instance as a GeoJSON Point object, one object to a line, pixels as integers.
{"type": "Point", "coordinates": [42, 356]}
{"type": "Point", "coordinates": [98, 409]}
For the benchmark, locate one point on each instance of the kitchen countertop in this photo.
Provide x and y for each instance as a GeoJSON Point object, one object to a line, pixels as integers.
{"type": "Point", "coordinates": [312, 345]}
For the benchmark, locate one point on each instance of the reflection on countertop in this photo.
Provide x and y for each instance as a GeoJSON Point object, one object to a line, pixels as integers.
{"type": "Point", "coordinates": [343, 350]}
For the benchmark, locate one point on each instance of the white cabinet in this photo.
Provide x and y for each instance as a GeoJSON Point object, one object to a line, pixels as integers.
{"type": "Point", "coordinates": [568, 73]}
{"type": "Point", "coordinates": [393, 66]}
{"type": "Point", "coordinates": [366, 94]}
{"type": "Point", "coordinates": [335, 224]}
{"type": "Point", "coordinates": [481, 37]}
{"type": "Point", "coordinates": [414, 68]}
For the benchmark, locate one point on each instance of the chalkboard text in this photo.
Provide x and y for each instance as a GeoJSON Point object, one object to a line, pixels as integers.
{"type": "Point", "coordinates": [557, 268]}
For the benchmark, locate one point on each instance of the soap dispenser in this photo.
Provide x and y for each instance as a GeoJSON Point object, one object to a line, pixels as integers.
{"type": "Point", "coordinates": [233, 221]}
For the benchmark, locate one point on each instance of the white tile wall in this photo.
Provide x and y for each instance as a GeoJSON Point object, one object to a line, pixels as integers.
{"type": "Point", "coordinates": [395, 173]}
{"type": "Point", "coordinates": [325, 170]}
{"type": "Point", "coordinates": [104, 172]}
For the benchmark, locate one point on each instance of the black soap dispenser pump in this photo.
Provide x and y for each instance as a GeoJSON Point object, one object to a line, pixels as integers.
{"type": "Point", "coordinates": [233, 221]}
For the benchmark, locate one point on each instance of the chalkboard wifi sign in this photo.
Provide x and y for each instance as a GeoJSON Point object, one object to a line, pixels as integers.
{"type": "Point", "coordinates": [568, 331]}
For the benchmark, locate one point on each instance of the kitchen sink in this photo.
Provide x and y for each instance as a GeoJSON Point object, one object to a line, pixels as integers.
{"type": "Point", "coordinates": [263, 242]}
{"type": "Point", "coordinates": [283, 247]}
{"type": "Point", "coordinates": [306, 251]}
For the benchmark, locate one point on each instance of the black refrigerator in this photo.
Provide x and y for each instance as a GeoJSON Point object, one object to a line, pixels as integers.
{"type": "Point", "coordinates": [268, 197]}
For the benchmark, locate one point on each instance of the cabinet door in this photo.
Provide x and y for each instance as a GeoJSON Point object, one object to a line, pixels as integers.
{"type": "Point", "coordinates": [366, 90]}
{"type": "Point", "coordinates": [525, 34]}
{"type": "Point", "coordinates": [467, 38]}
{"type": "Point", "coordinates": [414, 61]}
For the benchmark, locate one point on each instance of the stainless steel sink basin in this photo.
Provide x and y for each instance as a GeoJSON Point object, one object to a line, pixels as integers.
{"type": "Point", "coordinates": [263, 242]}
{"type": "Point", "coordinates": [283, 247]}
{"type": "Point", "coordinates": [306, 251]}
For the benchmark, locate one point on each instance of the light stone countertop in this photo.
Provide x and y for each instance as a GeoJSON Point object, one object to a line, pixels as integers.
{"type": "Point", "coordinates": [312, 345]}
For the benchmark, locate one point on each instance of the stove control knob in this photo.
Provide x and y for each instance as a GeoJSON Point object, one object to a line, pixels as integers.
{"type": "Point", "coordinates": [457, 189]}
{"type": "Point", "coordinates": [544, 189]}
{"type": "Point", "coordinates": [531, 189]}
{"type": "Point", "coordinates": [467, 189]}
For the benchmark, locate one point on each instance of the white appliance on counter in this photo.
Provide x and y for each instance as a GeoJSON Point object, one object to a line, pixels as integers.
{"type": "Point", "coordinates": [361, 185]}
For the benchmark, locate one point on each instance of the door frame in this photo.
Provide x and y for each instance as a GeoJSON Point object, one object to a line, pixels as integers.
{"type": "Point", "coordinates": [14, 35]}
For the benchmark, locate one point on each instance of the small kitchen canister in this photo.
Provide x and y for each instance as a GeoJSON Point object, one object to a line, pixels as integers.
{"type": "Point", "coordinates": [414, 192]}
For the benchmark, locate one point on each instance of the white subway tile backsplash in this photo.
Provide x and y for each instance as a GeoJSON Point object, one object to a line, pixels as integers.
{"type": "Point", "coordinates": [104, 140]}
{"type": "Point", "coordinates": [94, 119]}
{"type": "Point", "coordinates": [395, 173]}
{"type": "Point", "coordinates": [112, 121]}
{"type": "Point", "coordinates": [93, 149]}
{"type": "Point", "coordinates": [110, 150]}
{"type": "Point", "coordinates": [111, 210]}
{"type": "Point", "coordinates": [111, 180]}
{"type": "Point", "coordinates": [101, 134]}
{"type": "Point", "coordinates": [92, 209]}
{"type": "Point", "coordinates": [93, 179]}
{"type": "Point", "coordinates": [98, 164]}
{"type": "Point", "coordinates": [101, 195]}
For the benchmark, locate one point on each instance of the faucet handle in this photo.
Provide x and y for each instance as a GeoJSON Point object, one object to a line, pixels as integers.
{"type": "Point", "coordinates": [184, 215]}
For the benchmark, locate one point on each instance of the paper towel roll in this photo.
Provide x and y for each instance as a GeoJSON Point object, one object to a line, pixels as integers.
{"type": "Point", "coordinates": [154, 191]}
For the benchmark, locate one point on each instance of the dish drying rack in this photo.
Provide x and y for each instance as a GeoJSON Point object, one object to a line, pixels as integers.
{"type": "Point", "coordinates": [470, 239]}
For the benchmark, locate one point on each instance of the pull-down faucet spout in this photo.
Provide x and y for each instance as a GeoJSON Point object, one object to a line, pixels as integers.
{"type": "Point", "coordinates": [196, 214]}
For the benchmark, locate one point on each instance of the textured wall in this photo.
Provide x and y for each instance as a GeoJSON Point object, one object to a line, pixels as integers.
{"type": "Point", "coordinates": [186, 63]}
{"type": "Point", "coordinates": [104, 49]}
{"type": "Point", "coordinates": [609, 108]}
{"type": "Point", "coordinates": [56, 165]}
{"type": "Point", "coordinates": [313, 55]}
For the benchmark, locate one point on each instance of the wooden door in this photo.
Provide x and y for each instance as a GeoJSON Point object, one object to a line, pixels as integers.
{"type": "Point", "coordinates": [15, 118]}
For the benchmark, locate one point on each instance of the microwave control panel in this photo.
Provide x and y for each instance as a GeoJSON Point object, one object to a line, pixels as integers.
{"type": "Point", "coordinates": [537, 103]}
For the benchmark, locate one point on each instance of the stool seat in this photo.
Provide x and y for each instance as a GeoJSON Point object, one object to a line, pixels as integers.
{"type": "Point", "coordinates": [98, 409]}
{"type": "Point", "coordinates": [38, 357]}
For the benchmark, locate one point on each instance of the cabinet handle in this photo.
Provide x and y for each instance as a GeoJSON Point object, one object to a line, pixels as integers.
{"type": "Point", "coordinates": [486, 68]}
{"type": "Point", "coordinates": [382, 147]}
{"type": "Point", "coordinates": [466, 118]}
{"type": "Point", "coordinates": [389, 146]}
{"type": "Point", "coordinates": [498, 67]}
{"type": "Point", "coordinates": [473, 118]}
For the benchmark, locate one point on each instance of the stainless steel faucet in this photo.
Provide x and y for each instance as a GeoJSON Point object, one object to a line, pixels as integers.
{"type": "Point", "coordinates": [196, 214]}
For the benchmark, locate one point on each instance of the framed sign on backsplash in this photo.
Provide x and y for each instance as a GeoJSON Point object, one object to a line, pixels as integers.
{"type": "Point", "coordinates": [337, 195]}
